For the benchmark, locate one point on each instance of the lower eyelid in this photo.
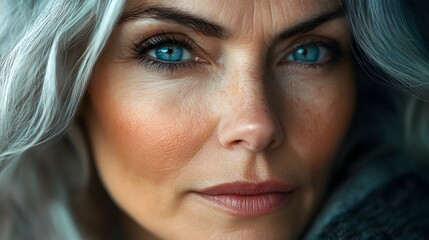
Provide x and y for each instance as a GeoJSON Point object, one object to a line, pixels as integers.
{"type": "Point", "coordinates": [155, 65]}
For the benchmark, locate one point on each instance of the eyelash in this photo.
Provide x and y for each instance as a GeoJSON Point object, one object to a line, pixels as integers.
{"type": "Point", "coordinates": [140, 53]}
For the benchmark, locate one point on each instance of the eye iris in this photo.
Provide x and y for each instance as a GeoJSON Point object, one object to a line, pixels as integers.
{"type": "Point", "coordinates": [169, 53]}
{"type": "Point", "coordinates": [307, 54]}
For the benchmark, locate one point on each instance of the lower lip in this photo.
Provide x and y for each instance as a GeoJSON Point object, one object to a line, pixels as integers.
{"type": "Point", "coordinates": [250, 205]}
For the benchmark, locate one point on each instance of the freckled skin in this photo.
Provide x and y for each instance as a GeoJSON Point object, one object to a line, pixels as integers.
{"type": "Point", "coordinates": [239, 116]}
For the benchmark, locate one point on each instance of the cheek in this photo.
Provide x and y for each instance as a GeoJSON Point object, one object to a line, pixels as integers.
{"type": "Point", "coordinates": [149, 142]}
{"type": "Point", "coordinates": [319, 119]}
{"type": "Point", "coordinates": [320, 125]}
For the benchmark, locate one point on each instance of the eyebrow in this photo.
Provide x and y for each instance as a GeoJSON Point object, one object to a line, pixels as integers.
{"type": "Point", "coordinates": [211, 29]}
{"type": "Point", "coordinates": [310, 24]}
{"type": "Point", "coordinates": [176, 16]}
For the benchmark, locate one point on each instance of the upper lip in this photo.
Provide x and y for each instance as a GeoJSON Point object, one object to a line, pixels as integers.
{"type": "Point", "coordinates": [248, 188]}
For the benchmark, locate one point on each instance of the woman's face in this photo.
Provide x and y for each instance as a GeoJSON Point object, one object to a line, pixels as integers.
{"type": "Point", "coordinates": [220, 119]}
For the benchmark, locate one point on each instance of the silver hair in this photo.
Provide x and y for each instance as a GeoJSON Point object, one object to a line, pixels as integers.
{"type": "Point", "coordinates": [392, 46]}
{"type": "Point", "coordinates": [47, 52]}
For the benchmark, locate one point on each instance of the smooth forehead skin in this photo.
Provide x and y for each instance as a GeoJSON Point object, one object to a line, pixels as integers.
{"type": "Point", "coordinates": [239, 111]}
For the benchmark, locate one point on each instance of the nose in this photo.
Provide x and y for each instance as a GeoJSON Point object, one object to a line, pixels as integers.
{"type": "Point", "coordinates": [251, 122]}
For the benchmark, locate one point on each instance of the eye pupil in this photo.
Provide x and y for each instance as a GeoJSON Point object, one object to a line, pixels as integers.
{"type": "Point", "coordinates": [169, 53]}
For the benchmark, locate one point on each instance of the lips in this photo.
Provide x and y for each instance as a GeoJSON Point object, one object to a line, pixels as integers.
{"type": "Point", "coordinates": [247, 199]}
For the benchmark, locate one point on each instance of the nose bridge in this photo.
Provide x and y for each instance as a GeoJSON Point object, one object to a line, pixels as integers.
{"type": "Point", "coordinates": [250, 122]}
{"type": "Point", "coordinates": [247, 86]}
{"type": "Point", "coordinates": [250, 88]}
{"type": "Point", "coordinates": [247, 77]}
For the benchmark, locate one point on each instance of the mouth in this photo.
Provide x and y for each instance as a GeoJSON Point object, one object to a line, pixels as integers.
{"type": "Point", "coordinates": [247, 199]}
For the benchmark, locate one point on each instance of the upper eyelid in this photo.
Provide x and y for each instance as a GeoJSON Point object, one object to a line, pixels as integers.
{"type": "Point", "coordinates": [315, 40]}
{"type": "Point", "coordinates": [167, 38]}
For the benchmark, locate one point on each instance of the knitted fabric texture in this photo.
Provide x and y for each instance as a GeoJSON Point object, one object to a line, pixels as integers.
{"type": "Point", "coordinates": [398, 210]}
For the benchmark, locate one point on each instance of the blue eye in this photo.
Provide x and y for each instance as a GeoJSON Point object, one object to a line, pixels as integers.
{"type": "Point", "coordinates": [310, 53]}
{"type": "Point", "coordinates": [170, 53]}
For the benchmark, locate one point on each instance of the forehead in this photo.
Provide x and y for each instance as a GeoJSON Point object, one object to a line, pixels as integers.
{"type": "Point", "coordinates": [244, 15]}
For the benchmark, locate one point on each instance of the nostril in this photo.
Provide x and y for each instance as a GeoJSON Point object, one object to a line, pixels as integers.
{"type": "Point", "coordinates": [237, 142]}
{"type": "Point", "coordinates": [241, 143]}
{"type": "Point", "coordinates": [276, 142]}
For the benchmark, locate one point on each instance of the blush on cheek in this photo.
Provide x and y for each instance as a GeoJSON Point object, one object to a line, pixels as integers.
{"type": "Point", "coordinates": [150, 145]}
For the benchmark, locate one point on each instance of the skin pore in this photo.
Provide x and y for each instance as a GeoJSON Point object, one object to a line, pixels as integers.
{"type": "Point", "coordinates": [192, 94]}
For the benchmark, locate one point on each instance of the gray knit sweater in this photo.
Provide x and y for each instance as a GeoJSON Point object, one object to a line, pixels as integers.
{"type": "Point", "coordinates": [382, 198]}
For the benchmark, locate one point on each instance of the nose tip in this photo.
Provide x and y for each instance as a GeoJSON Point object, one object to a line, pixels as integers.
{"type": "Point", "coordinates": [254, 128]}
